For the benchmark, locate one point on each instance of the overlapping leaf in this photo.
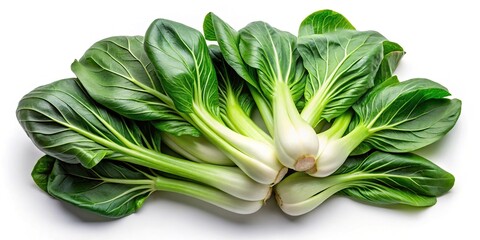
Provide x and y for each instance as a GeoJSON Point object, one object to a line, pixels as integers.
{"type": "Point", "coordinates": [324, 21]}
{"type": "Point", "coordinates": [64, 122]}
{"type": "Point", "coordinates": [117, 73]}
{"type": "Point", "coordinates": [181, 59]}
{"type": "Point", "coordinates": [108, 189]}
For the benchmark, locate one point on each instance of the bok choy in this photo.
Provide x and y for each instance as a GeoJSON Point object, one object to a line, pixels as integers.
{"type": "Point", "coordinates": [379, 179]}
{"type": "Point", "coordinates": [393, 117]}
{"type": "Point", "coordinates": [115, 189]}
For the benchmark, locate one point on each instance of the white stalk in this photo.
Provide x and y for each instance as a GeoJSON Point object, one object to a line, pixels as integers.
{"type": "Point", "coordinates": [295, 140]}
{"type": "Point", "coordinates": [302, 207]}
{"type": "Point", "coordinates": [337, 150]}
{"type": "Point", "coordinates": [197, 149]}
{"type": "Point", "coordinates": [300, 193]}
{"type": "Point", "coordinates": [256, 158]}
{"type": "Point", "coordinates": [208, 194]}
{"type": "Point", "coordinates": [236, 183]}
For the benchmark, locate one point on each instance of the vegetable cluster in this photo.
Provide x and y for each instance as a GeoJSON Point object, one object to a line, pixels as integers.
{"type": "Point", "coordinates": [257, 112]}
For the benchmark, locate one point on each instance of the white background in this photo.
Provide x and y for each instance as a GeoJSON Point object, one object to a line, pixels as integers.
{"type": "Point", "coordinates": [40, 39]}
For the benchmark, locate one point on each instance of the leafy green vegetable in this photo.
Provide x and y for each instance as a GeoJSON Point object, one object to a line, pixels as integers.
{"type": "Point", "coordinates": [114, 189]}
{"type": "Point", "coordinates": [395, 117]}
{"type": "Point", "coordinates": [64, 122]}
{"type": "Point", "coordinates": [379, 179]}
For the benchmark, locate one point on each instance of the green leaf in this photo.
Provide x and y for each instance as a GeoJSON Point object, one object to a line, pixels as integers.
{"type": "Point", "coordinates": [230, 83]}
{"type": "Point", "coordinates": [209, 28]}
{"type": "Point", "coordinates": [341, 67]}
{"type": "Point", "coordinates": [364, 148]}
{"type": "Point", "coordinates": [407, 172]}
{"type": "Point", "coordinates": [377, 194]}
{"type": "Point", "coordinates": [108, 189]}
{"type": "Point", "coordinates": [42, 170]}
{"type": "Point", "coordinates": [406, 116]}
{"type": "Point", "coordinates": [176, 126]}
{"type": "Point", "coordinates": [117, 73]}
{"type": "Point", "coordinates": [393, 53]}
{"type": "Point", "coordinates": [236, 102]}
{"type": "Point", "coordinates": [228, 40]}
{"type": "Point", "coordinates": [181, 59]}
{"type": "Point", "coordinates": [63, 120]}
{"type": "Point", "coordinates": [273, 53]}
{"type": "Point", "coordinates": [324, 21]}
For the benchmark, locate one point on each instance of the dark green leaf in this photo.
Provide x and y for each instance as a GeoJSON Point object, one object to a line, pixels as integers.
{"type": "Point", "coordinates": [324, 21]}
{"type": "Point", "coordinates": [42, 170]}
{"type": "Point", "coordinates": [177, 128]}
{"type": "Point", "coordinates": [363, 147]}
{"type": "Point", "coordinates": [108, 189]}
{"type": "Point", "coordinates": [341, 66]}
{"type": "Point", "coordinates": [64, 122]}
{"type": "Point", "coordinates": [273, 53]}
{"type": "Point", "coordinates": [230, 83]}
{"type": "Point", "coordinates": [392, 53]}
{"type": "Point", "coordinates": [404, 172]}
{"type": "Point", "coordinates": [182, 61]}
{"type": "Point", "coordinates": [381, 195]}
{"type": "Point", "coordinates": [117, 73]}
{"type": "Point", "coordinates": [408, 115]}
{"type": "Point", "coordinates": [228, 39]}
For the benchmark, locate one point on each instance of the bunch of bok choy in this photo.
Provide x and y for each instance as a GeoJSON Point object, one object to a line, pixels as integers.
{"type": "Point", "coordinates": [169, 112]}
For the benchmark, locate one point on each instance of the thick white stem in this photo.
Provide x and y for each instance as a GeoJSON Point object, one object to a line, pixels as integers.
{"type": "Point", "coordinates": [337, 150]}
{"type": "Point", "coordinates": [196, 149]}
{"type": "Point", "coordinates": [256, 158]}
{"type": "Point", "coordinates": [295, 140]}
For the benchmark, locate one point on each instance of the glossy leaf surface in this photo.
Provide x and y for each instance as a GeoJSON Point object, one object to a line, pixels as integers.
{"type": "Point", "coordinates": [324, 21]}
{"type": "Point", "coordinates": [115, 189]}
{"type": "Point", "coordinates": [406, 116]}
{"type": "Point", "coordinates": [108, 189]}
{"type": "Point", "coordinates": [64, 122]}
{"type": "Point", "coordinates": [392, 54]}
{"type": "Point", "coordinates": [181, 59]}
{"type": "Point", "coordinates": [228, 39]}
{"type": "Point", "coordinates": [273, 53]}
{"type": "Point", "coordinates": [341, 67]}
{"type": "Point", "coordinates": [117, 73]}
